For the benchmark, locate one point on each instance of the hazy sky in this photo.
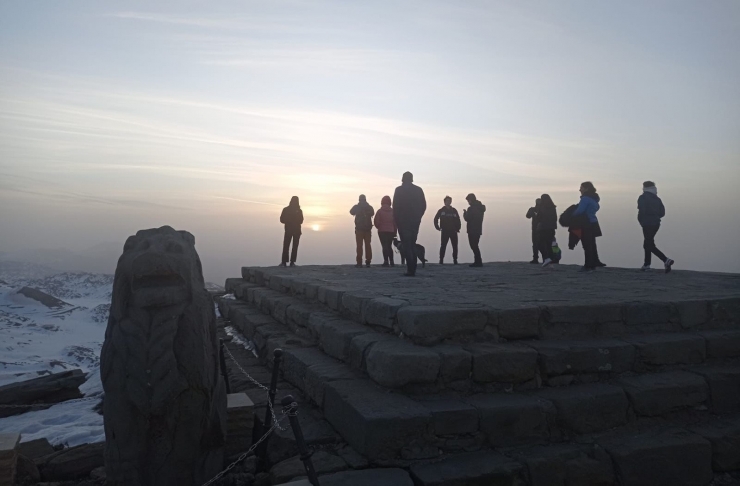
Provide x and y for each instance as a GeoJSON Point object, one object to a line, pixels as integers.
{"type": "Point", "coordinates": [209, 116]}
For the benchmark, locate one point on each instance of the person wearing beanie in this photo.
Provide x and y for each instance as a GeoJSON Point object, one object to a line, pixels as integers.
{"type": "Point", "coordinates": [363, 214]}
{"type": "Point", "coordinates": [474, 217]}
{"type": "Point", "coordinates": [409, 205]}
{"type": "Point", "coordinates": [532, 214]}
{"type": "Point", "coordinates": [447, 220]}
{"type": "Point", "coordinates": [650, 211]}
{"type": "Point", "coordinates": [590, 229]}
{"type": "Point", "coordinates": [386, 226]}
{"type": "Point", "coordinates": [292, 218]}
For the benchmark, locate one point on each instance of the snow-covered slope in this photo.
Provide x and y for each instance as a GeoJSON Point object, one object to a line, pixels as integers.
{"type": "Point", "coordinates": [37, 339]}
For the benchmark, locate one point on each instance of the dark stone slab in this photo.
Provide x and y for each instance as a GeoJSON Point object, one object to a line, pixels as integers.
{"type": "Point", "coordinates": [722, 343]}
{"type": "Point", "coordinates": [396, 363]}
{"type": "Point", "coordinates": [583, 409]}
{"type": "Point", "coordinates": [335, 335]}
{"type": "Point", "coordinates": [512, 419]}
{"type": "Point", "coordinates": [584, 356]}
{"type": "Point", "coordinates": [322, 461]}
{"type": "Point", "coordinates": [231, 283]}
{"type": "Point", "coordinates": [319, 374]}
{"type": "Point", "coordinates": [727, 310]}
{"type": "Point", "coordinates": [693, 314]}
{"type": "Point", "coordinates": [362, 344]}
{"type": "Point", "coordinates": [566, 464]}
{"type": "Point", "coordinates": [430, 324]}
{"type": "Point", "coordinates": [354, 302]}
{"type": "Point", "coordinates": [73, 463]}
{"type": "Point", "coordinates": [452, 416]}
{"type": "Point", "coordinates": [316, 431]}
{"type": "Point", "coordinates": [724, 386]}
{"type": "Point", "coordinates": [368, 477]}
{"type": "Point", "coordinates": [724, 435]}
{"type": "Point", "coordinates": [484, 468]}
{"type": "Point", "coordinates": [669, 349]}
{"type": "Point", "coordinates": [649, 317]}
{"type": "Point", "coordinates": [669, 457]}
{"type": "Point", "coordinates": [659, 393]}
{"type": "Point", "coordinates": [382, 311]}
{"type": "Point", "coordinates": [376, 423]}
{"type": "Point", "coordinates": [517, 323]}
{"type": "Point", "coordinates": [53, 388]}
{"type": "Point", "coordinates": [456, 363]}
{"type": "Point", "coordinates": [34, 449]}
{"type": "Point", "coordinates": [331, 296]}
{"type": "Point", "coordinates": [503, 363]}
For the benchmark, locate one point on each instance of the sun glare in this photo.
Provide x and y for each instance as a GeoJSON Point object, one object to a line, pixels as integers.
{"type": "Point", "coordinates": [315, 227]}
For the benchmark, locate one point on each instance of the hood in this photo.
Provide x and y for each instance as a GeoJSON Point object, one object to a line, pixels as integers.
{"type": "Point", "coordinates": [593, 196]}
{"type": "Point", "coordinates": [294, 203]}
{"type": "Point", "coordinates": [650, 190]}
{"type": "Point", "coordinates": [478, 205]}
{"type": "Point", "coordinates": [386, 202]}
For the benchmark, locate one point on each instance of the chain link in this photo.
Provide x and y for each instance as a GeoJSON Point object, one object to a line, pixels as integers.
{"type": "Point", "coordinates": [32, 405]}
{"type": "Point", "coordinates": [258, 384]}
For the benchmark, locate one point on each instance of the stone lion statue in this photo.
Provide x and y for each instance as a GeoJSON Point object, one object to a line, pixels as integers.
{"type": "Point", "coordinates": [165, 400]}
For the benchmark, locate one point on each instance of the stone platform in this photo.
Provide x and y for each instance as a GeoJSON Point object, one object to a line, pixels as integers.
{"type": "Point", "coordinates": [602, 375]}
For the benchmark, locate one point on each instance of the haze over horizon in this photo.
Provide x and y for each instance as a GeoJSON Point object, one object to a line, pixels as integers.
{"type": "Point", "coordinates": [116, 117]}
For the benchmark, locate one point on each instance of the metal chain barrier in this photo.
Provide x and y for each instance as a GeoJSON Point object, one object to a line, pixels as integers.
{"type": "Point", "coordinates": [32, 405]}
{"type": "Point", "coordinates": [258, 384]}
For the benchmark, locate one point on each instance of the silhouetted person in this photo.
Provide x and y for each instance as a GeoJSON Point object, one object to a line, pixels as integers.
{"type": "Point", "coordinates": [547, 224]}
{"type": "Point", "coordinates": [363, 214]}
{"type": "Point", "coordinates": [650, 210]}
{"type": "Point", "coordinates": [448, 222]}
{"type": "Point", "coordinates": [386, 225]}
{"type": "Point", "coordinates": [292, 218]}
{"type": "Point", "coordinates": [409, 205]}
{"type": "Point", "coordinates": [532, 214]}
{"type": "Point", "coordinates": [590, 230]}
{"type": "Point", "coordinates": [474, 216]}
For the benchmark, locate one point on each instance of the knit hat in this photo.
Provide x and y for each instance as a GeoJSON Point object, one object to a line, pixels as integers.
{"type": "Point", "coordinates": [470, 197]}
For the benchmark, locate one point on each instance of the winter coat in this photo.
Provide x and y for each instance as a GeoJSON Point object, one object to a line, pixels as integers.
{"type": "Point", "coordinates": [409, 205]}
{"type": "Point", "coordinates": [292, 218]}
{"type": "Point", "coordinates": [532, 214]}
{"type": "Point", "coordinates": [548, 218]}
{"type": "Point", "coordinates": [363, 214]}
{"type": "Point", "coordinates": [589, 205]}
{"type": "Point", "coordinates": [447, 219]}
{"type": "Point", "coordinates": [650, 209]}
{"type": "Point", "coordinates": [384, 219]}
{"type": "Point", "coordinates": [474, 216]}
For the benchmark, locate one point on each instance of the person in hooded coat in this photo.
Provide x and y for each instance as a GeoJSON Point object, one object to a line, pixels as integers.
{"type": "Point", "coordinates": [409, 205]}
{"type": "Point", "coordinates": [386, 225]}
{"type": "Point", "coordinates": [363, 213]}
{"type": "Point", "coordinates": [590, 230]}
{"type": "Point", "coordinates": [474, 217]}
{"type": "Point", "coordinates": [447, 220]}
{"type": "Point", "coordinates": [547, 223]}
{"type": "Point", "coordinates": [650, 211]}
{"type": "Point", "coordinates": [532, 214]}
{"type": "Point", "coordinates": [292, 218]}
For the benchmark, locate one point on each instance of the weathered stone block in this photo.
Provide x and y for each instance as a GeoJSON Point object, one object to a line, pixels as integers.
{"type": "Point", "coordinates": [361, 345]}
{"type": "Point", "coordinates": [397, 363]}
{"type": "Point", "coordinates": [247, 274]}
{"type": "Point", "coordinates": [73, 463]}
{"type": "Point", "coordinates": [592, 356]}
{"type": "Point", "coordinates": [452, 416]}
{"type": "Point", "coordinates": [331, 296]}
{"type": "Point", "coordinates": [724, 386]}
{"type": "Point", "coordinates": [316, 431]}
{"type": "Point", "coordinates": [503, 363]}
{"type": "Point", "coordinates": [456, 363]}
{"type": "Point", "coordinates": [298, 315]}
{"type": "Point", "coordinates": [231, 284]}
{"type": "Point", "coordinates": [583, 314]}
{"type": "Point", "coordinates": [368, 477]}
{"type": "Point", "coordinates": [8, 458]}
{"type": "Point", "coordinates": [319, 374]}
{"type": "Point", "coordinates": [586, 471]}
{"type": "Point", "coordinates": [323, 463]}
{"type": "Point", "coordinates": [722, 343]}
{"type": "Point", "coordinates": [659, 393]}
{"type": "Point", "coordinates": [335, 335]}
{"type": "Point", "coordinates": [376, 423]}
{"type": "Point", "coordinates": [724, 435]}
{"type": "Point", "coordinates": [649, 317]}
{"type": "Point", "coordinates": [263, 334]}
{"type": "Point", "coordinates": [296, 362]}
{"type": "Point", "coordinates": [240, 290]}
{"type": "Point", "coordinates": [671, 456]}
{"type": "Point", "coordinates": [354, 302]}
{"type": "Point", "coordinates": [430, 324]}
{"type": "Point", "coordinates": [693, 314]}
{"type": "Point", "coordinates": [667, 349]}
{"type": "Point", "coordinates": [726, 309]}
{"type": "Point", "coordinates": [239, 423]}
{"type": "Point", "coordinates": [511, 419]}
{"type": "Point", "coordinates": [34, 449]}
{"type": "Point", "coordinates": [517, 323]}
{"type": "Point", "coordinates": [489, 468]}
{"type": "Point", "coordinates": [583, 409]}
{"type": "Point", "coordinates": [381, 311]}
{"type": "Point", "coordinates": [547, 465]}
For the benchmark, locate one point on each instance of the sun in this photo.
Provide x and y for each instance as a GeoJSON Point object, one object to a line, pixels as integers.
{"type": "Point", "coordinates": [315, 227]}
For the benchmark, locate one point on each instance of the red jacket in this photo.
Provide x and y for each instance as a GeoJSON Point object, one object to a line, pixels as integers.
{"type": "Point", "coordinates": [384, 220]}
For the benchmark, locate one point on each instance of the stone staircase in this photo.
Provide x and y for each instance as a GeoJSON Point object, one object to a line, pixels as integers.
{"type": "Point", "coordinates": [631, 392]}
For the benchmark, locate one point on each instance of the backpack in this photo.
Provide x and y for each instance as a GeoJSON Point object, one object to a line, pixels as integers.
{"type": "Point", "coordinates": [364, 221]}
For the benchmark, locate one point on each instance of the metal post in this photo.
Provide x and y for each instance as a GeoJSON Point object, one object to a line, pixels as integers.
{"type": "Point", "coordinates": [267, 423]}
{"type": "Point", "coordinates": [292, 411]}
{"type": "Point", "coordinates": [224, 371]}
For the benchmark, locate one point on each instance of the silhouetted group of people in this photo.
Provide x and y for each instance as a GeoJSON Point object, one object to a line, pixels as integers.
{"type": "Point", "coordinates": [402, 216]}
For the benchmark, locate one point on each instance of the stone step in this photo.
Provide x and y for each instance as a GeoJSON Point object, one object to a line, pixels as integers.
{"type": "Point", "coordinates": [524, 364]}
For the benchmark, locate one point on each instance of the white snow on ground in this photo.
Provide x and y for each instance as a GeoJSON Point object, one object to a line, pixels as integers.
{"type": "Point", "coordinates": [36, 339]}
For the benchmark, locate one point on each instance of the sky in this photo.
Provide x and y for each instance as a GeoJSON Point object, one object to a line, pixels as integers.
{"type": "Point", "coordinates": [209, 116]}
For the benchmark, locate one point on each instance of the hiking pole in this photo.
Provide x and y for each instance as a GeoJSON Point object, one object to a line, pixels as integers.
{"type": "Point", "coordinates": [292, 411]}
{"type": "Point", "coordinates": [262, 451]}
{"type": "Point", "coordinates": [224, 371]}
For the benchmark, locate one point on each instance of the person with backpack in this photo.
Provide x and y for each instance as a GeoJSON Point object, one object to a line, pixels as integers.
{"type": "Point", "coordinates": [447, 220]}
{"type": "Point", "coordinates": [409, 206]}
{"type": "Point", "coordinates": [474, 217]}
{"type": "Point", "coordinates": [532, 214]}
{"type": "Point", "coordinates": [292, 218]}
{"type": "Point", "coordinates": [547, 224]}
{"type": "Point", "coordinates": [363, 213]}
{"type": "Point", "coordinates": [386, 226]}
{"type": "Point", "coordinates": [650, 210]}
{"type": "Point", "coordinates": [590, 229]}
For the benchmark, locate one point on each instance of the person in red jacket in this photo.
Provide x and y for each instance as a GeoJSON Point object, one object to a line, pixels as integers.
{"type": "Point", "coordinates": [386, 226]}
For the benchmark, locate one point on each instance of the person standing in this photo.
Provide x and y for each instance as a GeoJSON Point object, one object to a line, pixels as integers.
{"type": "Point", "coordinates": [292, 218]}
{"type": "Point", "coordinates": [363, 213]}
{"type": "Point", "coordinates": [650, 210]}
{"type": "Point", "coordinates": [532, 214]}
{"type": "Point", "coordinates": [409, 205]}
{"type": "Point", "coordinates": [547, 224]}
{"type": "Point", "coordinates": [474, 216]}
{"type": "Point", "coordinates": [447, 220]}
{"type": "Point", "coordinates": [386, 226]}
{"type": "Point", "coordinates": [587, 208]}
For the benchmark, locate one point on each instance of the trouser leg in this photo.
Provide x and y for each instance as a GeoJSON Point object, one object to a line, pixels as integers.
{"type": "Point", "coordinates": [408, 238]}
{"type": "Point", "coordinates": [444, 237]}
{"type": "Point", "coordinates": [359, 240]}
{"type": "Point", "coordinates": [588, 240]}
{"type": "Point", "coordinates": [649, 233]}
{"type": "Point", "coordinates": [294, 252]}
{"type": "Point", "coordinates": [474, 241]}
{"type": "Point", "coordinates": [368, 236]}
{"type": "Point", "coordinates": [546, 237]}
{"type": "Point", "coordinates": [453, 239]}
{"type": "Point", "coordinates": [535, 245]}
{"type": "Point", "coordinates": [286, 245]}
